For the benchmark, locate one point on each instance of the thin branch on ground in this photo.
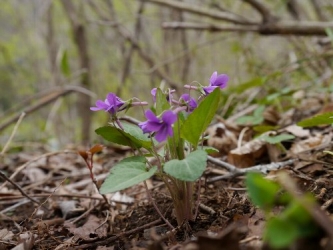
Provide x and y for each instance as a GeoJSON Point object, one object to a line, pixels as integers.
{"type": "Point", "coordinates": [19, 169]}
{"type": "Point", "coordinates": [3, 176]}
{"type": "Point", "coordinates": [113, 238]}
{"type": "Point", "coordinates": [263, 168]}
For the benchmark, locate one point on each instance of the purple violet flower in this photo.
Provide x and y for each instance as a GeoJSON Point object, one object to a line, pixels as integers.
{"type": "Point", "coordinates": [162, 126]}
{"type": "Point", "coordinates": [216, 81]}
{"type": "Point", "coordinates": [153, 93]}
{"type": "Point", "coordinates": [111, 104]}
{"type": "Point", "coordinates": [189, 101]}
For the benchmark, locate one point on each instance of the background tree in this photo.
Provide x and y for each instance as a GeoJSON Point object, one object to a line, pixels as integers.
{"type": "Point", "coordinates": [131, 46]}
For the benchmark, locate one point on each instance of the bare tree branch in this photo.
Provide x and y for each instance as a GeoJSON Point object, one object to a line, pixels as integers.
{"type": "Point", "coordinates": [271, 24]}
{"type": "Point", "coordinates": [265, 12]}
{"type": "Point", "coordinates": [299, 28]}
{"type": "Point", "coordinates": [209, 27]}
{"type": "Point", "coordinates": [48, 98]}
{"type": "Point", "coordinates": [203, 11]}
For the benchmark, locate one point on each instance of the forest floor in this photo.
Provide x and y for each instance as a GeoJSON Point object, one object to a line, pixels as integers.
{"type": "Point", "coordinates": [51, 202]}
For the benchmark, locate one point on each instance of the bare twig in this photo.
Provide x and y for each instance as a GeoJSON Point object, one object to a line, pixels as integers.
{"type": "Point", "coordinates": [241, 171]}
{"type": "Point", "coordinates": [18, 187]}
{"type": "Point", "coordinates": [19, 169]}
{"type": "Point", "coordinates": [45, 100]}
{"type": "Point", "coordinates": [210, 27]}
{"type": "Point", "coordinates": [297, 28]}
{"type": "Point", "coordinates": [203, 11]}
{"type": "Point", "coordinates": [262, 9]}
{"type": "Point", "coordinates": [113, 238]}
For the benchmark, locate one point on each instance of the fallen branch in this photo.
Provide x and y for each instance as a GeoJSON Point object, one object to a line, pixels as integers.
{"type": "Point", "coordinates": [4, 177]}
{"type": "Point", "coordinates": [18, 170]}
{"type": "Point", "coordinates": [234, 171]}
{"type": "Point", "coordinates": [120, 235]}
{"type": "Point", "coordinates": [203, 11]}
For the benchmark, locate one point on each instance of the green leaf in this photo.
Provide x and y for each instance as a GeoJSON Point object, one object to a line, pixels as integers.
{"type": "Point", "coordinates": [277, 138]}
{"type": "Point", "coordinates": [176, 143]}
{"type": "Point", "coordinates": [259, 111]}
{"type": "Point", "coordinates": [264, 128]}
{"type": "Point", "coordinates": [127, 173]}
{"type": "Point", "coordinates": [255, 119]}
{"type": "Point", "coordinates": [161, 102]}
{"type": "Point", "coordinates": [210, 150]}
{"type": "Point", "coordinates": [280, 233]}
{"type": "Point", "coordinates": [262, 192]}
{"type": "Point", "coordinates": [189, 169]}
{"type": "Point", "coordinates": [64, 65]}
{"type": "Point", "coordinates": [249, 120]}
{"type": "Point", "coordinates": [131, 136]}
{"type": "Point", "coordinates": [197, 122]}
{"type": "Point", "coordinates": [322, 119]}
{"type": "Point", "coordinates": [296, 213]}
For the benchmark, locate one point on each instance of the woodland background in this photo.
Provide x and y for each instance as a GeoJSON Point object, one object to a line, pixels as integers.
{"type": "Point", "coordinates": [58, 57]}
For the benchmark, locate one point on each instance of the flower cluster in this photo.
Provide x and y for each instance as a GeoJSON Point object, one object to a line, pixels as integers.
{"type": "Point", "coordinates": [182, 161]}
{"type": "Point", "coordinates": [161, 125]}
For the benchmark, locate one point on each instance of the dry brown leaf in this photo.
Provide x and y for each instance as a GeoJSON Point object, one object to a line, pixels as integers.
{"type": "Point", "coordinates": [34, 174]}
{"type": "Point", "coordinates": [297, 131]}
{"type": "Point", "coordinates": [246, 155]}
{"type": "Point", "coordinates": [26, 241]}
{"type": "Point", "coordinates": [6, 235]}
{"type": "Point", "coordinates": [271, 116]}
{"type": "Point", "coordinates": [256, 223]}
{"type": "Point", "coordinates": [221, 138]}
{"type": "Point", "coordinates": [310, 143]}
{"type": "Point", "coordinates": [90, 231]}
{"type": "Point", "coordinates": [105, 248]}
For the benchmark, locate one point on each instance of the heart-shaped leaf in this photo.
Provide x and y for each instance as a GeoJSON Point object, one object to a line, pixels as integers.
{"type": "Point", "coordinates": [189, 169]}
{"type": "Point", "coordinates": [127, 173]}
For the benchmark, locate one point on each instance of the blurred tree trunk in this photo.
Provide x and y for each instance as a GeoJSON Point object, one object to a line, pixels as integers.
{"type": "Point", "coordinates": [80, 40]}
{"type": "Point", "coordinates": [52, 46]}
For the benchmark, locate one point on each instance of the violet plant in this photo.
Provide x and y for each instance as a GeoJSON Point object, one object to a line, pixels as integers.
{"type": "Point", "coordinates": [175, 124]}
